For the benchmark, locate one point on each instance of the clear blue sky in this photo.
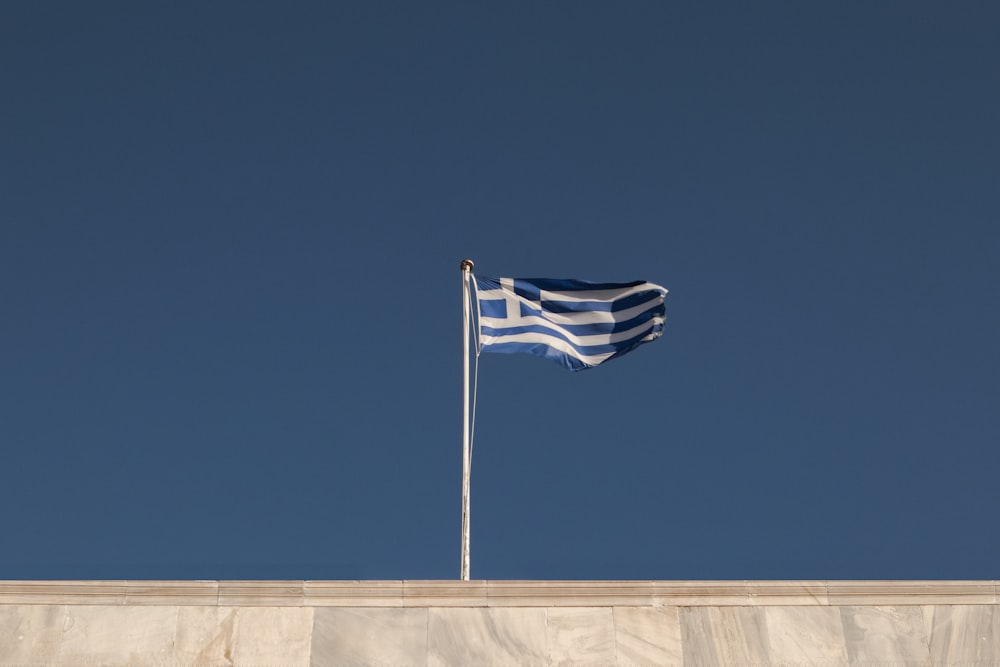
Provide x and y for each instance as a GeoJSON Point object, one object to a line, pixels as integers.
{"type": "Point", "coordinates": [230, 299]}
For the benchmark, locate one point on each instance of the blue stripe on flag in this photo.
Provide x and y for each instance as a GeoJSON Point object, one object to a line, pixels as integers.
{"type": "Point", "coordinates": [570, 285]}
{"type": "Point", "coordinates": [538, 350]}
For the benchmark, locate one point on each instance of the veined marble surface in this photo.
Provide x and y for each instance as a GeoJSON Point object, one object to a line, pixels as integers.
{"type": "Point", "coordinates": [886, 635]}
{"type": "Point", "coordinates": [30, 634]}
{"type": "Point", "coordinates": [648, 636]}
{"type": "Point", "coordinates": [580, 635]}
{"type": "Point", "coordinates": [369, 636]}
{"type": "Point", "coordinates": [964, 634]}
{"type": "Point", "coordinates": [482, 636]}
{"type": "Point", "coordinates": [806, 635]}
{"type": "Point", "coordinates": [457, 626]}
{"type": "Point", "coordinates": [714, 636]}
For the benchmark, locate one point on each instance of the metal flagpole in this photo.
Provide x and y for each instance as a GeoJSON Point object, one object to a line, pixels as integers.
{"type": "Point", "coordinates": [466, 267]}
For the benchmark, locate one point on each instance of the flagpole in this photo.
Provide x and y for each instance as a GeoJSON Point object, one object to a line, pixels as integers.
{"type": "Point", "coordinates": [466, 267]}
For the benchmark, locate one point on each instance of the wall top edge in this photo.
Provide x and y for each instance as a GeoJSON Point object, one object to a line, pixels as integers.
{"type": "Point", "coordinates": [499, 593]}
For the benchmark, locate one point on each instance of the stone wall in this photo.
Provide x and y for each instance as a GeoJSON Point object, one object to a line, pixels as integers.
{"type": "Point", "coordinates": [499, 623]}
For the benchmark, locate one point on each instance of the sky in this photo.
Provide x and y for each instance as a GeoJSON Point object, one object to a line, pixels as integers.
{"type": "Point", "coordinates": [230, 301]}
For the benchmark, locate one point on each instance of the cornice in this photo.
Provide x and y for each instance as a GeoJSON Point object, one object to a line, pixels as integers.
{"type": "Point", "coordinates": [500, 593]}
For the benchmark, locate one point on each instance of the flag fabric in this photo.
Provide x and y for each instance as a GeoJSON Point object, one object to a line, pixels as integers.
{"type": "Point", "coordinates": [575, 323]}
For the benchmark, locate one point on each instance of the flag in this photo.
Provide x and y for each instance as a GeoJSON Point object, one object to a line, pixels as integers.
{"type": "Point", "coordinates": [576, 323]}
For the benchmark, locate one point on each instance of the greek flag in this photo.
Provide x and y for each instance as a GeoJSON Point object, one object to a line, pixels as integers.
{"type": "Point", "coordinates": [575, 323]}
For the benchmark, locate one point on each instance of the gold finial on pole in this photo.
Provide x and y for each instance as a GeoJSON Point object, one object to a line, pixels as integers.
{"type": "Point", "coordinates": [466, 265]}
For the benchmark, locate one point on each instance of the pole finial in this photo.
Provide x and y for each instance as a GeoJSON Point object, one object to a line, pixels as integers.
{"type": "Point", "coordinates": [466, 265]}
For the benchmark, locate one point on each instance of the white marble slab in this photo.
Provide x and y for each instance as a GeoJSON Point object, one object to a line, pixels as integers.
{"type": "Point", "coordinates": [486, 636]}
{"type": "Point", "coordinates": [965, 635]}
{"type": "Point", "coordinates": [30, 633]}
{"type": "Point", "coordinates": [366, 636]}
{"type": "Point", "coordinates": [806, 636]}
{"type": "Point", "coordinates": [580, 635]}
{"type": "Point", "coordinates": [205, 635]}
{"type": "Point", "coordinates": [648, 636]}
{"type": "Point", "coordinates": [714, 636]}
{"type": "Point", "coordinates": [272, 636]}
{"type": "Point", "coordinates": [118, 635]}
{"type": "Point", "coordinates": [885, 635]}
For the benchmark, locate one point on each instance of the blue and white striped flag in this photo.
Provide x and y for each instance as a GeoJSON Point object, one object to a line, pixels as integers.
{"type": "Point", "coordinates": [575, 323]}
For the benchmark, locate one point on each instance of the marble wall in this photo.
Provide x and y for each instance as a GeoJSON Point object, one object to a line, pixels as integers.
{"type": "Point", "coordinates": [318, 623]}
{"type": "Point", "coordinates": [155, 635]}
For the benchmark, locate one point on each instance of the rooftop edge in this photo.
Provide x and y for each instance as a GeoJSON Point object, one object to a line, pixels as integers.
{"type": "Point", "coordinates": [498, 593]}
